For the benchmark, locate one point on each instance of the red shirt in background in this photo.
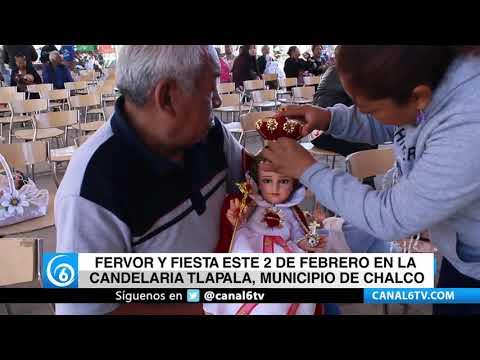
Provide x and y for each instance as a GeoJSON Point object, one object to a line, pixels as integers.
{"type": "Point", "coordinates": [224, 71]}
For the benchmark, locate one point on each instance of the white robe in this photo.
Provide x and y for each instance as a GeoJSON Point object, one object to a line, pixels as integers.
{"type": "Point", "coordinates": [250, 239]}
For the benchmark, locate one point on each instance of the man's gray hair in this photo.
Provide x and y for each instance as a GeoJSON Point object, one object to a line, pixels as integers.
{"type": "Point", "coordinates": [141, 67]}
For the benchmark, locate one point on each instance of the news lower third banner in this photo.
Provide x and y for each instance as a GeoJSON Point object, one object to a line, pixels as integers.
{"type": "Point", "coordinates": [238, 271]}
{"type": "Point", "coordinates": [251, 278]}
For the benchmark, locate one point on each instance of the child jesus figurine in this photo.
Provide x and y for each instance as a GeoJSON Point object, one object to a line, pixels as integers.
{"type": "Point", "coordinates": [271, 222]}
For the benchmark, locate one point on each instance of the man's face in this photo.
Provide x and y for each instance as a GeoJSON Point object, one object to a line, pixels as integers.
{"type": "Point", "coordinates": [253, 50]}
{"type": "Point", "coordinates": [274, 188]}
{"type": "Point", "coordinates": [265, 51]}
{"type": "Point", "coordinates": [20, 62]}
{"type": "Point", "coordinates": [193, 114]}
{"type": "Point", "coordinates": [228, 49]}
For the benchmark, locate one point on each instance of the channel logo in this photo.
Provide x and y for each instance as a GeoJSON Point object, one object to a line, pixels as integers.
{"type": "Point", "coordinates": [60, 270]}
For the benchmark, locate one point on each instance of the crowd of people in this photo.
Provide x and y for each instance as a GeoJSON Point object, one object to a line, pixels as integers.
{"type": "Point", "coordinates": [249, 66]}
{"type": "Point", "coordinates": [74, 60]}
{"type": "Point", "coordinates": [58, 66]}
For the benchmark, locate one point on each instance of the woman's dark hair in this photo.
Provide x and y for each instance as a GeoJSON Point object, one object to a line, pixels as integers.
{"type": "Point", "coordinates": [244, 50]}
{"type": "Point", "coordinates": [291, 49]}
{"type": "Point", "coordinates": [393, 71]}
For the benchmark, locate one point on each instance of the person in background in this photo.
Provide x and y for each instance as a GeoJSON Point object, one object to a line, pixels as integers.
{"type": "Point", "coordinates": [224, 69]}
{"type": "Point", "coordinates": [272, 67]}
{"type": "Point", "coordinates": [253, 53]}
{"type": "Point", "coordinates": [96, 64]}
{"type": "Point", "coordinates": [24, 74]}
{"type": "Point", "coordinates": [68, 53]}
{"type": "Point", "coordinates": [88, 61]}
{"type": "Point", "coordinates": [306, 56]}
{"type": "Point", "coordinates": [294, 66]}
{"type": "Point", "coordinates": [4, 72]}
{"type": "Point", "coordinates": [46, 50]}
{"type": "Point", "coordinates": [245, 66]}
{"type": "Point", "coordinates": [101, 61]}
{"type": "Point", "coordinates": [262, 60]}
{"type": "Point", "coordinates": [318, 63]}
{"type": "Point", "coordinates": [229, 56]}
{"type": "Point", "coordinates": [12, 50]}
{"type": "Point", "coordinates": [55, 72]}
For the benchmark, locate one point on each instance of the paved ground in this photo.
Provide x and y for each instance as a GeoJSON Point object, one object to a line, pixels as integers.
{"type": "Point", "coordinates": [253, 145]}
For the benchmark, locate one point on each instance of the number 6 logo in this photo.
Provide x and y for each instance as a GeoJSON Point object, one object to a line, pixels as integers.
{"type": "Point", "coordinates": [66, 273]}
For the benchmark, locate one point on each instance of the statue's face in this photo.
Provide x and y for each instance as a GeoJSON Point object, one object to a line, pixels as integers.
{"type": "Point", "coordinates": [274, 187]}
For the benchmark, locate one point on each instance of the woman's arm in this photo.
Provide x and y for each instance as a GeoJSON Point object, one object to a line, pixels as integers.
{"type": "Point", "coordinates": [342, 122]}
{"type": "Point", "coordinates": [443, 181]}
{"type": "Point", "coordinates": [350, 124]}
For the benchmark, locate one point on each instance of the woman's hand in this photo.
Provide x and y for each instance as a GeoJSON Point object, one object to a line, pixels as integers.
{"type": "Point", "coordinates": [314, 117]}
{"type": "Point", "coordinates": [233, 213]}
{"type": "Point", "coordinates": [319, 215]}
{"type": "Point", "coordinates": [287, 157]}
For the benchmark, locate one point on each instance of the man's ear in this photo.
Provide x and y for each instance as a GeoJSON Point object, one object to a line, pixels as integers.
{"type": "Point", "coordinates": [163, 95]}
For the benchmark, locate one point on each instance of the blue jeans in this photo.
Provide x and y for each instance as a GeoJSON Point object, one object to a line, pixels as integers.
{"type": "Point", "coordinates": [332, 309]}
{"type": "Point", "coordinates": [6, 77]}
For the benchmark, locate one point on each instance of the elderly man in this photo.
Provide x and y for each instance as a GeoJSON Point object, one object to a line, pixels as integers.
{"type": "Point", "coordinates": [262, 60]}
{"type": "Point", "coordinates": [56, 73]}
{"type": "Point", "coordinates": [45, 52]}
{"type": "Point", "coordinates": [154, 178]}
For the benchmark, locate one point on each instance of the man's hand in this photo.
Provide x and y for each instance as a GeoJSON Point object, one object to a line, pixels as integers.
{"type": "Point", "coordinates": [287, 157]}
{"type": "Point", "coordinates": [314, 117]}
